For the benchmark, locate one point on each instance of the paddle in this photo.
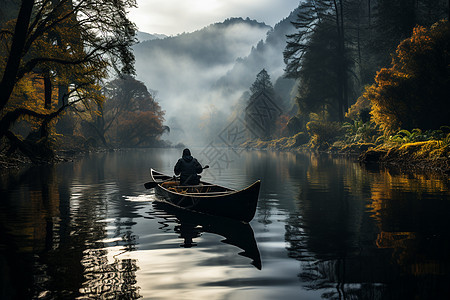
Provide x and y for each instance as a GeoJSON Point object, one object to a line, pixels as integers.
{"type": "Point", "coordinates": [153, 184]}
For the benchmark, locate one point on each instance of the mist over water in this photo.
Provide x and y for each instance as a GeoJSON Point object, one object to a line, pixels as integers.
{"type": "Point", "coordinates": [184, 71]}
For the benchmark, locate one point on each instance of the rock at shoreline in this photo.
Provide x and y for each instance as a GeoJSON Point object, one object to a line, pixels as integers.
{"type": "Point", "coordinates": [13, 161]}
{"type": "Point", "coordinates": [372, 156]}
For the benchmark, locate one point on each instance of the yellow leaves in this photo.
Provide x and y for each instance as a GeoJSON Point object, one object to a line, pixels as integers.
{"type": "Point", "coordinates": [422, 41]}
{"type": "Point", "coordinates": [383, 77]}
{"type": "Point", "coordinates": [390, 77]}
{"type": "Point", "coordinates": [97, 113]}
{"type": "Point", "coordinates": [29, 94]}
{"type": "Point", "coordinates": [414, 83]}
{"type": "Point", "coordinates": [424, 150]}
{"type": "Point", "coordinates": [420, 37]}
{"type": "Point", "coordinates": [362, 103]}
{"type": "Point", "coordinates": [26, 93]}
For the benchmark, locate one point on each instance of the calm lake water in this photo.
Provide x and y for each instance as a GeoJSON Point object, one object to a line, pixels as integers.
{"type": "Point", "coordinates": [325, 228]}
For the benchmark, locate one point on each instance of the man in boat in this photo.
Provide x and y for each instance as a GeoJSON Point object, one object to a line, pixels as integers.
{"type": "Point", "coordinates": [188, 167]}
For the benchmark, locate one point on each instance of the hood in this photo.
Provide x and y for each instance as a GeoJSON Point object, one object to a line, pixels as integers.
{"type": "Point", "coordinates": [187, 158]}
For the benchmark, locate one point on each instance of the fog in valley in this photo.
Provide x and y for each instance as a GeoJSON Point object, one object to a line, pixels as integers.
{"type": "Point", "coordinates": [199, 78]}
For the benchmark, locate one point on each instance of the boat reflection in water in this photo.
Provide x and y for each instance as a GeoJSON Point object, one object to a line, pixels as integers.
{"type": "Point", "coordinates": [192, 224]}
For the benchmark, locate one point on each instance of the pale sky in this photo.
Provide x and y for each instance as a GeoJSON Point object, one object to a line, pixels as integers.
{"type": "Point", "coordinates": [171, 17]}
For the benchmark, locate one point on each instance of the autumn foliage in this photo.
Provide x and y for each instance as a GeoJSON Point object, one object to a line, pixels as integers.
{"type": "Point", "coordinates": [414, 92]}
{"type": "Point", "coordinates": [129, 116]}
{"type": "Point", "coordinates": [53, 58]}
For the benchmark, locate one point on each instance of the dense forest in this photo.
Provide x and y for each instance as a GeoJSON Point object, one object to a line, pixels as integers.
{"type": "Point", "coordinates": [340, 46]}
{"type": "Point", "coordinates": [369, 75]}
{"type": "Point", "coordinates": [56, 91]}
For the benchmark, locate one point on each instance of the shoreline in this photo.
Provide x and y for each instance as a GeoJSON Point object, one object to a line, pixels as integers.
{"type": "Point", "coordinates": [427, 156]}
{"type": "Point", "coordinates": [18, 161]}
{"type": "Point", "coordinates": [397, 159]}
{"type": "Point", "coordinates": [393, 157]}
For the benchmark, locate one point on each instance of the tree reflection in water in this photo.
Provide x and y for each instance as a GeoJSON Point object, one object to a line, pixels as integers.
{"type": "Point", "coordinates": [49, 229]}
{"type": "Point", "coordinates": [380, 236]}
{"type": "Point", "coordinates": [190, 225]}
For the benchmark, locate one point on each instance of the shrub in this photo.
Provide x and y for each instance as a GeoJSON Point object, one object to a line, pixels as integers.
{"type": "Point", "coordinates": [413, 92]}
{"type": "Point", "coordinates": [360, 132]}
{"type": "Point", "coordinates": [301, 138]}
{"type": "Point", "coordinates": [323, 133]}
{"type": "Point", "coordinates": [417, 135]}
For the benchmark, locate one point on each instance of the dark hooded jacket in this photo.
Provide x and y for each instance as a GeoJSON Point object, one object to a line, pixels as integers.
{"type": "Point", "coordinates": [188, 168]}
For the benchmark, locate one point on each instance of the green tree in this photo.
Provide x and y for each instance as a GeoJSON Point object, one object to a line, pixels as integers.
{"type": "Point", "coordinates": [414, 91]}
{"type": "Point", "coordinates": [320, 25]}
{"type": "Point", "coordinates": [262, 110]}
{"type": "Point", "coordinates": [316, 92]}
{"type": "Point", "coordinates": [262, 84]}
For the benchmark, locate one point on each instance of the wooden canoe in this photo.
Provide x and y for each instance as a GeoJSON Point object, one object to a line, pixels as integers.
{"type": "Point", "coordinates": [208, 198]}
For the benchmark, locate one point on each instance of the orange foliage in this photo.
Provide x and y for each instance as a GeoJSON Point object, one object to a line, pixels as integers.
{"type": "Point", "coordinates": [29, 94]}
{"type": "Point", "coordinates": [79, 80]}
{"type": "Point", "coordinates": [413, 92]}
{"type": "Point", "coordinates": [139, 128]}
{"type": "Point", "coordinates": [355, 110]}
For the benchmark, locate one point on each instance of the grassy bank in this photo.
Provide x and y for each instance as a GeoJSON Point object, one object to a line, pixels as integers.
{"type": "Point", "coordinates": [430, 155]}
{"type": "Point", "coordinates": [424, 155]}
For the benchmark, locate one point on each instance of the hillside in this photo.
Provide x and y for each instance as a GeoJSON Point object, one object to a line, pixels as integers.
{"type": "Point", "coordinates": [144, 36]}
{"type": "Point", "coordinates": [204, 72]}
{"type": "Point", "coordinates": [267, 54]}
{"type": "Point", "coordinates": [215, 44]}
{"type": "Point", "coordinates": [184, 68]}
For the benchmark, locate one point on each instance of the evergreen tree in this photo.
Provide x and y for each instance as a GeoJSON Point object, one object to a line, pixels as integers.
{"type": "Point", "coordinates": [262, 84]}
{"type": "Point", "coordinates": [262, 111]}
{"type": "Point", "coordinates": [320, 25]}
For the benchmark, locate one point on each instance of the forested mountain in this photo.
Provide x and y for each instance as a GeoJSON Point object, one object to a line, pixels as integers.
{"type": "Point", "coordinates": [331, 52]}
{"type": "Point", "coordinates": [183, 69]}
{"type": "Point", "coordinates": [215, 44]}
{"type": "Point", "coordinates": [143, 36]}
{"type": "Point", "coordinates": [267, 54]}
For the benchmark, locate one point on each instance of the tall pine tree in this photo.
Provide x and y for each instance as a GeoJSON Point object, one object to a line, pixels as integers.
{"type": "Point", "coordinates": [262, 110]}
